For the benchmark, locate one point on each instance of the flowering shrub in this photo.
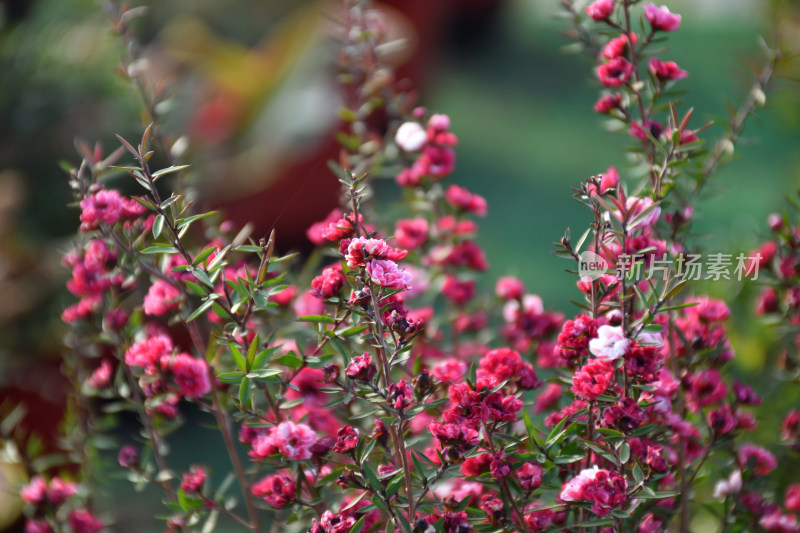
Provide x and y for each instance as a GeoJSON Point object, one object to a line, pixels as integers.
{"type": "Point", "coordinates": [364, 401]}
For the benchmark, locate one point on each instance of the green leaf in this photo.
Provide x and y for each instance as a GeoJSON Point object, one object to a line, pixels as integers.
{"type": "Point", "coordinates": [188, 220]}
{"type": "Point", "coordinates": [168, 170]}
{"type": "Point", "coordinates": [358, 526]}
{"type": "Point", "coordinates": [625, 452]}
{"type": "Point", "coordinates": [200, 274]}
{"type": "Point", "coordinates": [159, 249]}
{"type": "Point", "coordinates": [251, 352]}
{"type": "Point", "coordinates": [290, 359]}
{"type": "Point", "coordinates": [158, 226]}
{"type": "Point", "coordinates": [238, 357]}
{"type": "Point", "coordinates": [244, 392]}
{"type": "Point", "coordinates": [355, 501]}
{"type": "Point", "coordinates": [199, 258]}
{"type": "Point", "coordinates": [316, 319]}
{"type": "Point", "coordinates": [200, 310]}
{"type": "Point", "coordinates": [556, 433]}
{"type": "Point", "coordinates": [371, 478]}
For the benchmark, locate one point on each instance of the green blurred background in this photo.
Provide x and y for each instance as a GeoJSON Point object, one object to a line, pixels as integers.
{"type": "Point", "coordinates": [520, 107]}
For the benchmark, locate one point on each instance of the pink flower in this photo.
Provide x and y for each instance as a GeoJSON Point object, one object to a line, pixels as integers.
{"type": "Point", "coordinates": [547, 398]}
{"type": "Point", "coordinates": [641, 207]}
{"type": "Point", "coordinates": [614, 72]}
{"type": "Point", "coordinates": [329, 283]}
{"type": "Point", "coordinates": [600, 9]}
{"type": "Point", "coordinates": [457, 291]}
{"type": "Point", "coordinates": [609, 180]}
{"type": "Point", "coordinates": [162, 297]}
{"type": "Point", "coordinates": [147, 352]}
{"type": "Point", "coordinates": [463, 199]}
{"type": "Point", "coordinates": [573, 341]}
{"type": "Point", "coordinates": [606, 490]}
{"type": "Point", "coordinates": [128, 457]}
{"type": "Point", "coordinates": [728, 486]}
{"type": "Point", "coordinates": [411, 233]}
{"type": "Point", "coordinates": [707, 388]}
{"type": "Point", "coordinates": [509, 288]}
{"type": "Point", "coordinates": [666, 70]}
{"type": "Point", "coordinates": [530, 476]}
{"type": "Point", "coordinates": [60, 491]}
{"type": "Point", "coordinates": [451, 370]}
{"type": "Point", "coordinates": [82, 521]}
{"type": "Point", "coordinates": [500, 466]}
{"type": "Point", "coordinates": [190, 373]}
{"type": "Point", "coordinates": [387, 274]}
{"type": "Point", "coordinates": [606, 103]}
{"type": "Point", "coordinates": [626, 415]}
{"type": "Point", "coordinates": [775, 521]}
{"type": "Point", "coordinates": [653, 127]}
{"type": "Point", "coordinates": [308, 304]}
{"type": "Point", "coordinates": [610, 344]}
{"type": "Point", "coordinates": [103, 207]}
{"type": "Point", "coordinates": [294, 441]}
{"type": "Point", "coordinates": [761, 461]}
{"type": "Point", "coordinates": [400, 394]}
{"type": "Point", "coordinates": [661, 19]}
{"type": "Point", "coordinates": [101, 377]}
{"type": "Point", "coordinates": [360, 250]}
{"type": "Point", "coordinates": [284, 298]}
{"type": "Point", "coordinates": [618, 46]}
{"type": "Point", "coordinates": [572, 490]}
{"type": "Point", "coordinates": [194, 479]}
{"type": "Point", "coordinates": [37, 526]}
{"type": "Point", "coordinates": [592, 379]}
{"type": "Point", "coordinates": [346, 441]}
{"type": "Point", "coordinates": [411, 136]}
{"type": "Point", "coordinates": [277, 489]}
{"type": "Point", "coordinates": [35, 491]}
{"type": "Point", "coordinates": [792, 498]}
{"type": "Point", "coordinates": [361, 368]}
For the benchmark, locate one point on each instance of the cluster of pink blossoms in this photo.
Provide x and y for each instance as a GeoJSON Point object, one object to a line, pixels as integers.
{"type": "Point", "coordinates": [107, 206]}
{"type": "Point", "coordinates": [167, 376]}
{"type": "Point", "coordinates": [604, 489]}
{"type": "Point", "coordinates": [57, 496]}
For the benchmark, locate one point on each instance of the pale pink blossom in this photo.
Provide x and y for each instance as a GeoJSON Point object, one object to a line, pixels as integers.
{"type": "Point", "coordinates": [661, 19]}
{"type": "Point", "coordinates": [411, 136]}
{"type": "Point", "coordinates": [573, 489]}
{"type": "Point", "coordinates": [387, 274]}
{"type": "Point", "coordinates": [610, 344]}
{"type": "Point", "coordinates": [294, 441]}
{"type": "Point", "coordinates": [161, 297]}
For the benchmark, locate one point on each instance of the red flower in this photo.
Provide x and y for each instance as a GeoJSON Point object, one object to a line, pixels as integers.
{"type": "Point", "coordinates": [277, 489]}
{"type": "Point", "coordinates": [329, 283]}
{"type": "Point", "coordinates": [347, 440]}
{"type": "Point", "coordinates": [411, 233]}
{"type": "Point", "coordinates": [666, 70]}
{"type": "Point", "coordinates": [614, 72]}
{"type": "Point", "coordinates": [530, 476]}
{"type": "Point", "coordinates": [361, 368]}
{"type": "Point", "coordinates": [600, 9]}
{"type": "Point", "coordinates": [592, 379]}
{"type": "Point", "coordinates": [194, 479]}
{"type": "Point", "coordinates": [608, 102]}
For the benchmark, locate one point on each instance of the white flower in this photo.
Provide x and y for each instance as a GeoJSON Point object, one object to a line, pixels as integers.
{"type": "Point", "coordinates": [610, 343]}
{"type": "Point", "coordinates": [650, 339]}
{"type": "Point", "coordinates": [725, 487]}
{"type": "Point", "coordinates": [411, 137]}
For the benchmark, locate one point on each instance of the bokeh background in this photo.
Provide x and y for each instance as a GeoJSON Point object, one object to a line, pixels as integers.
{"type": "Point", "coordinates": [252, 91]}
